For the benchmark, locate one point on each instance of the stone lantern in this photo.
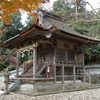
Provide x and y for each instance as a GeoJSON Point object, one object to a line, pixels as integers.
{"type": "Point", "coordinates": [6, 81]}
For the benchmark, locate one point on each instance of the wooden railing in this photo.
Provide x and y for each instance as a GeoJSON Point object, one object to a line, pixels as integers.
{"type": "Point", "coordinates": [63, 76]}
{"type": "Point", "coordinates": [69, 63]}
{"type": "Point", "coordinates": [25, 76]}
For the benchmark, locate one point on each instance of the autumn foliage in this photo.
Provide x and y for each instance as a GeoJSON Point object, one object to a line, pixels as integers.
{"type": "Point", "coordinates": [8, 7]}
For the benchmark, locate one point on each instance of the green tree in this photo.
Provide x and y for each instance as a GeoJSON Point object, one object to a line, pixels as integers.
{"type": "Point", "coordinates": [69, 9]}
{"type": "Point", "coordinates": [92, 55]}
{"type": "Point", "coordinates": [14, 28]}
{"type": "Point", "coordinates": [64, 9]}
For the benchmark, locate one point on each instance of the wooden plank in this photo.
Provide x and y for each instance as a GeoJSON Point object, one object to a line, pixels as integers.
{"type": "Point", "coordinates": [42, 79]}
{"type": "Point", "coordinates": [58, 75]}
{"type": "Point", "coordinates": [45, 50]}
{"type": "Point", "coordinates": [25, 78]}
{"type": "Point", "coordinates": [79, 75]}
{"type": "Point", "coordinates": [59, 65]}
{"type": "Point", "coordinates": [68, 75]}
{"type": "Point", "coordinates": [26, 75]}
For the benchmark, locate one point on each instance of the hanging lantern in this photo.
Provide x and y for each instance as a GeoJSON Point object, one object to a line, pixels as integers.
{"type": "Point", "coordinates": [48, 69]}
{"type": "Point", "coordinates": [23, 54]}
{"type": "Point", "coordinates": [31, 52]}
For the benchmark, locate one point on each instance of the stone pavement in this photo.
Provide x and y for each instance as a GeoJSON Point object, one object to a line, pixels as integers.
{"type": "Point", "coordinates": [93, 94]}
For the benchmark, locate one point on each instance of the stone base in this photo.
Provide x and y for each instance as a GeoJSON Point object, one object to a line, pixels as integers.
{"type": "Point", "coordinates": [61, 87]}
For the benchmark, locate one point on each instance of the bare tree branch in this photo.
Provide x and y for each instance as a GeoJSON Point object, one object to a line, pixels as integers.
{"type": "Point", "coordinates": [83, 21]}
{"type": "Point", "coordinates": [93, 9]}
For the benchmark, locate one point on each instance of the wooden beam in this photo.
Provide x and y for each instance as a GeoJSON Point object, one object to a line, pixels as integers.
{"type": "Point", "coordinates": [25, 47]}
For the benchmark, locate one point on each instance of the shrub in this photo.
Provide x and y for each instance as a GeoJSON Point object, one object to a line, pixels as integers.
{"type": "Point", "coordinates": [95, 78]}
{"type": "Point", "coordinates": [3, 60]}
{"type": "Point", "coordinates": [11, 67]}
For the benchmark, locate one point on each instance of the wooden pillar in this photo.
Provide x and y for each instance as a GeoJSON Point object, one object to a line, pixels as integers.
{"type": "Point", "coordinates": [34, 61]}
{"type": "Point", "coordinates": [54, 63]}
{"type": "Point", "coordinates": [74, 74]}
{"type": "Point", "coordinates": [83, 58]}
{"type": "Point", "coordinates": [66, 56]}
{"type": "Point", "coordinates": [63, 74]}
{"type": "Point", "coordinates": [55, 73]}
{"type": "Point", "coordinates": [89, 76]}
{"type": "Point", "coordinates": [54, 57]}
{"type": "Point", "coordinates": [17, 64]}
{"type": "Point", "coordinates": [84, 78]}
{"type": "Point", "coordinates": [83, 68]}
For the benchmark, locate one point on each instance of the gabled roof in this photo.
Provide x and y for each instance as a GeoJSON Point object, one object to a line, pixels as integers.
{"type": "Point", "coordinates": [46, 23]}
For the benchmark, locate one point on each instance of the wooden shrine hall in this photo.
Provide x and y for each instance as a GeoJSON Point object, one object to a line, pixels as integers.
{"type": "Point", "coordinates": [56, 57]}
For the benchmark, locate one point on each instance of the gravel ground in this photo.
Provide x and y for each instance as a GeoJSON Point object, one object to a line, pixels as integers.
{"type": "Point", "coordinates": [92, 94]}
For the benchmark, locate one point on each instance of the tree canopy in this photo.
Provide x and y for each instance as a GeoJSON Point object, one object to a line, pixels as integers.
{"type": "Point", "coordinates": [78, 17]}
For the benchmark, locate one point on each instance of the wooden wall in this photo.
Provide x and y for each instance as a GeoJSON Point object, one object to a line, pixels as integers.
{"type": "Point", "coordinates": [65, 55]}
{"type": "Point", "coordinates": [79, 57]}
{"type": "Point", "coordinates": [46, 53]}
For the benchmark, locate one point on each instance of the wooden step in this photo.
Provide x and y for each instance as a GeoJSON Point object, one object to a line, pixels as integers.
{"type": "Point", "coordinates": [41, 69]}
{"type": "Point", "coordinates": [29, 71]}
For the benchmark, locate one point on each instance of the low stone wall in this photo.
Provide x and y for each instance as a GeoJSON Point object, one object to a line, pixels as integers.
{"type": "Point", "coordinates": [93, 69]}
{"type": "Point", "coordinates": [54, 88]}
{"type": "Point", "coordinates": [61, 87]}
